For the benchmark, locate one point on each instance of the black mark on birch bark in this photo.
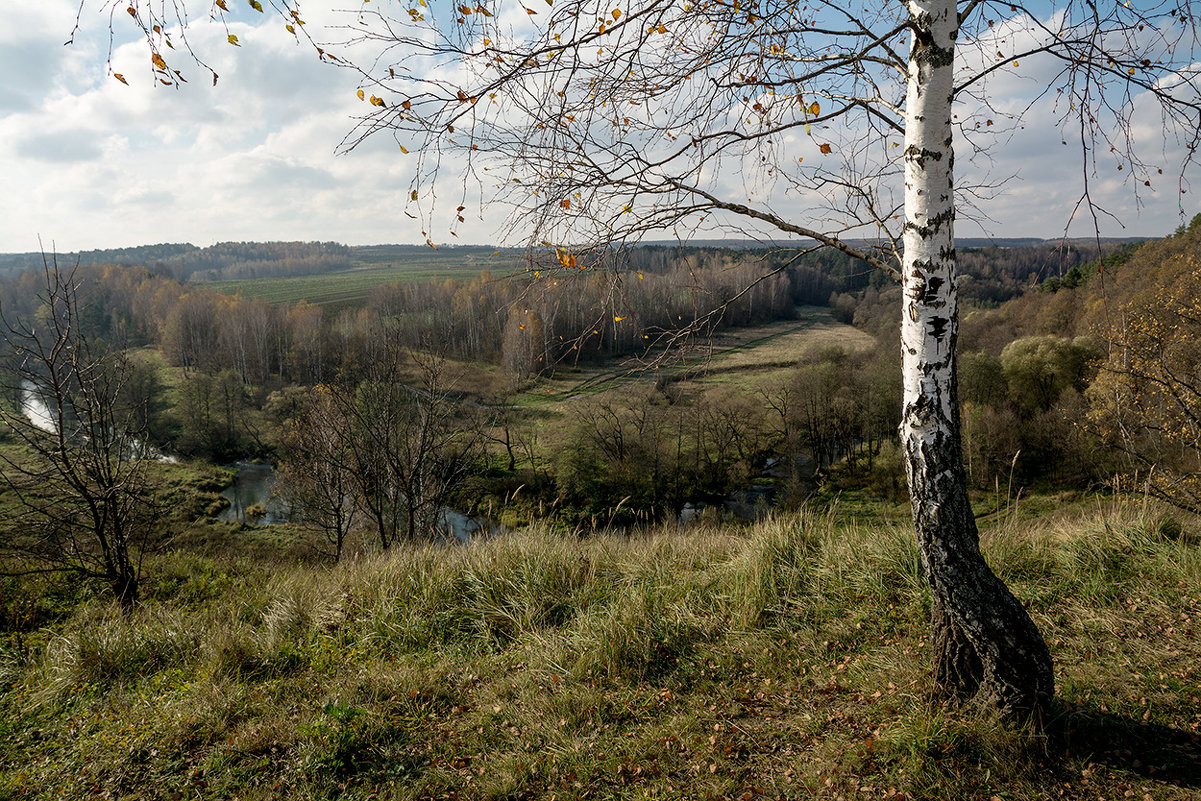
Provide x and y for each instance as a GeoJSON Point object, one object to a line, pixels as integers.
{"type": "Point", "coordinates": [919, 155]}
{"type": "Point", "coordinates": [938, 327]}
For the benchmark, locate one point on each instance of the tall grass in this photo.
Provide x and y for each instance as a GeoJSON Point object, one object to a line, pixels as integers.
{"type": "Point", "coordinates": [784, 659]}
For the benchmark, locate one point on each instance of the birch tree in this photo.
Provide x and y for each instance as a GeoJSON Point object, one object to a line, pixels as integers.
{"type": "Point", "coordinates": [599, 121]}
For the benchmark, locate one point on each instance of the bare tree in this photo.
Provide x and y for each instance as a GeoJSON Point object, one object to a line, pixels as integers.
{"type": "Point", "coordinates": [78, 480]}
{"type": "Point", "coordinates": [316, 474]}
{"type": "Point", "coordinates": [400, 451]}
{"type": "Point", "coordinates": [599, 123]}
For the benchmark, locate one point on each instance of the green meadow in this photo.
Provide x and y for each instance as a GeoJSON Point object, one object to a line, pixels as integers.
{"type": "Point", "coordinates": [375, 267]}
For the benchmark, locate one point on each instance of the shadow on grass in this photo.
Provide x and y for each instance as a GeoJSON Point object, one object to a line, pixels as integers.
{"type": "Point", "coordinates": [1151, 750]}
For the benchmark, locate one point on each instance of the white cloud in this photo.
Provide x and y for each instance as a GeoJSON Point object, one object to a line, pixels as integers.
{"type": "Point", "coordinates": [89, 162]}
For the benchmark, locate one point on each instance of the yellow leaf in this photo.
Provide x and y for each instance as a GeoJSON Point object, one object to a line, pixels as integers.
{"type": "Point", "coordinates": [531, 11]}
{"type": "Point", "coordinates": [362, 95]}
{"type": "Point", "coordinates": [158, 61]}
{"type": "Point", "coordinates": [825, 148]}
{"type": "Point", "coordinates": [290, 29]}
{"type": "Point", "coordinates": [618, 319]}
{"type": "Point", "coordinates": [133, 12]}
{"type": "Point", "coordinates": [256, 5]}
{"type": "Point", "coordinates": [120, 78]}
{"type": "Point", "coordinates": [617, 13]}
{"type": "Point", "coordinates": [413, 194]}
{"type": "Point", "coordinates": [403, 149]}
{"type": "Point", "coordinates": [221, 5]}
{"type": "Point", "coordinates": [233, 40]}
{"type": "Point", "coordinates": [814, 108]}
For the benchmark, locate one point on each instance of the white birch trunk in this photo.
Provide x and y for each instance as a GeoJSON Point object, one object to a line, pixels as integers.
{"type": "Point", "coordinates": [984, 642]}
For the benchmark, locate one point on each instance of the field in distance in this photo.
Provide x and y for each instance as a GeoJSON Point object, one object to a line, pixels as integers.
{"type": "Point", "coordinates": [375, 266]}
{"type": "Point", "coordinates": [748, 358]}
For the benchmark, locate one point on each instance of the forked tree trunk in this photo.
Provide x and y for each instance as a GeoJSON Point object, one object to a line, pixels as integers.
{"type": "Point", "coordinates": [985, 644]}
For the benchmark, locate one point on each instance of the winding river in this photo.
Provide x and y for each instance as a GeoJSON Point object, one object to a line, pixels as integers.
{"type": "Point", "coordinates": [253, 484]}
{"type": "Point", "coordinates": [42, 417]}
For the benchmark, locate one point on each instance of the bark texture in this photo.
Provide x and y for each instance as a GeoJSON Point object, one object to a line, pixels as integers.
{"type": "Point", "coordinates": [985, 644]}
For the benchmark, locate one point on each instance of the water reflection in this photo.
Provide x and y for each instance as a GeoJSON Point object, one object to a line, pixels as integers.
{"type": "Point", "coordinates": [252, 500]}
{"type": "Point", "coordinates": [751, 504]}
{"type": "Point", "coordinates": [34, 407]}
{"type": "Point", "coordinates": [464, 528]}
{"type": "Point", "coordinates": [251, 497]}
{"type": "Point", "coordinates": [38, 412]}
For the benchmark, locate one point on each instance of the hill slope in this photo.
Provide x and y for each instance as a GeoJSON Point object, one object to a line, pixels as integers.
{"type": "Point", "coordinates": [784, 661]}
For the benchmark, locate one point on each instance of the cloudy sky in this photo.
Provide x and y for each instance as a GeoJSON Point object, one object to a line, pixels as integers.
{"type": "Point", "coordinates": [87, 162]}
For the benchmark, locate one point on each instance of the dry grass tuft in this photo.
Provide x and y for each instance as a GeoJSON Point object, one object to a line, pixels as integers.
{"type": "Point", "coordinates": [784, 660]}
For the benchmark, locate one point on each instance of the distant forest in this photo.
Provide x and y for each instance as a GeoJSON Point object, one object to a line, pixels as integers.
{"type": "Point", "coordinates": [998, 270]}
{"type": "Point", "coordinates": [1059, 347]}
{"type": "Point", "coordinates": [618, 303]}
{"type": "Point", "coordinates": [223, 261]}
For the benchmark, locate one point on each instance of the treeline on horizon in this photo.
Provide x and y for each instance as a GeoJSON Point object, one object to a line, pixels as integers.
{"type": "Point", "coordinates": [997, 270]}
{"type": "Point", "coordinates": [1027, 364]}
{"type": "Point", "coordinates": [527, 322]}
{"type": "Point", "coordinates": [622, 305]}
{"type": "Point", "coordinates": [220, 262]}
{"type": "Point", "coordinates": [1061, 386]}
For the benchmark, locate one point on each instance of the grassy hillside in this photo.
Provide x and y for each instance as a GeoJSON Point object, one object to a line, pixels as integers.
{"type": "Point", "coordinates": [1094, 304]}
{"type": "Point", "coordinates": [786, 660]}
{"type": "Point", "coordinates": [747, 357]}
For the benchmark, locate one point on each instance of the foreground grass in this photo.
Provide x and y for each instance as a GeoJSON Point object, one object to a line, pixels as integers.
{"type": "Point", "coordinates": [782, 661]}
